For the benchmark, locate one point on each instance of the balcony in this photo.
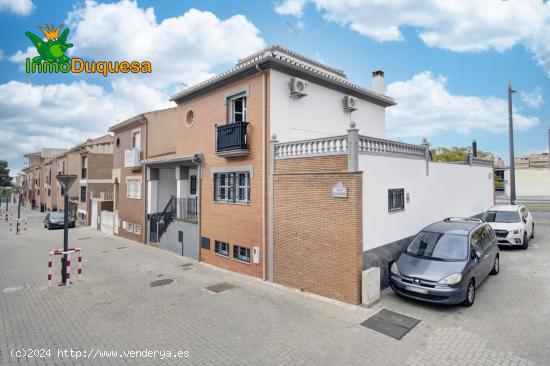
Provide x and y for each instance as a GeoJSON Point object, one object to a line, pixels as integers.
{"type": "Point", "coordinates": [132, 158]}
{"type": "Point", "coordinates": [187, 209]}
{"type": "Point", "coordinates": [231, 139]}
{"type": "Point", "coordinates": [102, 196]}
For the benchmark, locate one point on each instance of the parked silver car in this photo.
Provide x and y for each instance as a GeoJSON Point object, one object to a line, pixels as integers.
{"type": "Point", "coordinates": [447, 261]}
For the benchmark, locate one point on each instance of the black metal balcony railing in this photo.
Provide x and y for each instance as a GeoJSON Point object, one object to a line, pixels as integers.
{"type": "Point", "coordinates": [231, 136]}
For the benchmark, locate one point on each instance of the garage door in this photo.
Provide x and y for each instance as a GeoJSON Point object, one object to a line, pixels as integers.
{"type": "Point", "coordinates": [107, 221]}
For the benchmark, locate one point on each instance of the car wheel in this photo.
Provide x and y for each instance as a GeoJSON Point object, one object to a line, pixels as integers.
{"type": "Point", "coordinates": [525, 243]}
{"type": "Point", "coordinates": [496, 266]}
{"type": "Point", "coordinates": [470, 294]}
{"type": "Point", "coordinates": [49, 227]}
{"type": "Point", "coordinates": [533, 231]}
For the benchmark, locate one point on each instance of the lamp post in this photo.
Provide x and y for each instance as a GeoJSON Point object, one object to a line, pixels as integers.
{"type": "Point", "coordinates": [66, 181]}
{"type": "Point", "coordinates": [511, 141]}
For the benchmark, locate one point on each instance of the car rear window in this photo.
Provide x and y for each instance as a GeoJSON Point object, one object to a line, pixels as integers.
{"type": "Point", "coordinates": [447, 247]}
{"type": "Point", "coordinates": [501, 216]}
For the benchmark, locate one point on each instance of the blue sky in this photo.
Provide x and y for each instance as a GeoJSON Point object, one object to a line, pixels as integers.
{"type": "Point", "coordinates": [448, 69]}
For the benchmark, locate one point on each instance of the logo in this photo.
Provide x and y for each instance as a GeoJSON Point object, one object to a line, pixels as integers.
{"type": "Point", "coordinates": [417, 281]}
{"type": "Point", "coordinates": [51, 57]}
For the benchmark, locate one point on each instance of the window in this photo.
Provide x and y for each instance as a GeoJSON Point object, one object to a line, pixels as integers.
{"type": "Point", "coordinates": [241, 253]}
{"type": "Point", "coordinates": [221, 248]}
{"type": "Point", "coordinates": [83, 194]}
{"type": "Point", "coordinates": [396, 201]}
{"type": "Point", "coordinates": [190, 118]}
{"type": "Point", "coordinates": [136, 139]}
{"type": "Point", "coordinates": [84, 173]}
{"type": "Point", "coordinates": [49, 192]}
{"type": "Point", "coordinates": [232, 187]}
{"type": "Point", "coordinates": [133, 187]}
{"type": "Point", "coordinates": [238, 109]}
{"type": "Point", "coordinates": [193, 184]}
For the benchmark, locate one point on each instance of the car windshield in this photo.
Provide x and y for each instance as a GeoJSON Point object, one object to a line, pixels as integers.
{"type": "Point", "coordinates": [501, 216]}
{"type": "Point", "coordinates": [447, 247]}
{"type": "Point", "coordinates": [56, 215]}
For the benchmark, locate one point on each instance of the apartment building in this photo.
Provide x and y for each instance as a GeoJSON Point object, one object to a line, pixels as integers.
{"type": "Point", "coordinates": [279, 168]}
{"type": "Point", "coordinates": [534, 160]}
{"type": "Point", "coordinates": [36, 186]}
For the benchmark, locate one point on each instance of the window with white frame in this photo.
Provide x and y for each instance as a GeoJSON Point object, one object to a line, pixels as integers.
{"type": "Point", "coordinates": [396, 200]}
{"type": "Point", "coordinates": [241, 253]}
{"type": "Point", "coordinates": [237, 109]}
{"type": "Point", "coordinates": [221, 248]}
{"type": "Point", "coordinates": [233, 187]}
{"type": "Point", "coordinates": [133, 187]}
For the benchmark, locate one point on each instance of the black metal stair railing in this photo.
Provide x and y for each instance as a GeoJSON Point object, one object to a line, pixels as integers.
{"type": "Point", "coordinates": [161, 220]}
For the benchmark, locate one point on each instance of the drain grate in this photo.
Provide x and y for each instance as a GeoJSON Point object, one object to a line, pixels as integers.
{"type": "Point", "coordinates": [165, 281]}
{"type": "Point", "coordinates": [390, 323]}
{"type": "Point", "coordinates": [122, 247]}
{"type": "Point", "coordinates": [221, 287]}
{"type": "Point", "coordinates": [84, 238]}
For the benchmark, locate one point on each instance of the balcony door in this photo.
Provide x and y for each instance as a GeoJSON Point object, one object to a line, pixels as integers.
{"type": "Point", "coordinates": [136, 140]}
{"type": "Point", "coordinates": [237, 109]}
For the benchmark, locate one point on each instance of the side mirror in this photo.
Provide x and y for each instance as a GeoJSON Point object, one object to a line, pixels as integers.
{"type": "Point", "coordinates": [478, 254]}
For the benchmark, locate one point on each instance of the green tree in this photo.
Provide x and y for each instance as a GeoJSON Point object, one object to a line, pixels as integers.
{"type": "Point", "coordinates": [454, 153]}
{"type": "Point", "coordinates": [5, 179]}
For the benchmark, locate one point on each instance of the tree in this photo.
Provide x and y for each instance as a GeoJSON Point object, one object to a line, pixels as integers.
{"type": "Point", "coordinates": [455, 154]}
{"type": "Point", "coordinates": [5, 179]}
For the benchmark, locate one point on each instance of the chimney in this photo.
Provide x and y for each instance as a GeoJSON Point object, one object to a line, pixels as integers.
{"type": "Point", "coordinates": [378, 81]}
{"type": "Point", "coordinates": [474, 148]}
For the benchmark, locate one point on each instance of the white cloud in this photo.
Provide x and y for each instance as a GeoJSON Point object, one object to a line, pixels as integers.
{"type": "Point", "coordinates": [533, 99]}
{"type": "Point", "coordinates": [425, 107]}
{"type": "Point", "coordinates": [18, 7]}
{"type": "Point", "coordinates": [182, 49]}
{"type": "Point", "coordinates": [290, 7]}
{"type": "Point", "coordinates": [466, 25]}
{"type": "Point", "coordinates": [61, 115]}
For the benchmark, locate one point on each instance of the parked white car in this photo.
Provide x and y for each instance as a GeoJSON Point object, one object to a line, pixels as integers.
{"type": "Point", "coordinates": [513, 224]}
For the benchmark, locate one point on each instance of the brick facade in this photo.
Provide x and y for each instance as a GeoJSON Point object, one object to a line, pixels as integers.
{"type": "Point", "coordinates": [318, 238]}
{"type": "Point", "coordinates": [239, 224]}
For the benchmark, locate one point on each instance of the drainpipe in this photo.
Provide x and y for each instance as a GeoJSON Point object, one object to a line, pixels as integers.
{"type": "Point", "coordinates": [144, 187]}
{"type": "Point", "coordinates": [264, 255]}
{"type": "Point", "coordinates": [271, 220]}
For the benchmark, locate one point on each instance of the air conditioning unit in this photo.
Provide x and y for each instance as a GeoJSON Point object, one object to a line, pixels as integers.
{"type": "Point", "coordinates": [256, 255]}
{"type": "Point", "coordinates": [298, 87]}
{"type": "Point", "coordinates": [350, 103]}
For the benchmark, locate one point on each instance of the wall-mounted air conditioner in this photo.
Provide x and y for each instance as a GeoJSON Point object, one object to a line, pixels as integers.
{"type": "Point", "coordinates": [298, 87]}
{"type": "Point", "coordinates": [350, 103]}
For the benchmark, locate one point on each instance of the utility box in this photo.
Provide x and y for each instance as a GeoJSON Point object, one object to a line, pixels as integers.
{"type": "Point", "coordinates": [256, 255]}
{"type": "Point", "coordinates": [370, 286]}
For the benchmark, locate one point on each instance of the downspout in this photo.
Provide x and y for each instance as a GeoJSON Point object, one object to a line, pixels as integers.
{"type": "Point", "coordinates": [264, 256]}
{"type": "Point", "coordinates": [144, 183]}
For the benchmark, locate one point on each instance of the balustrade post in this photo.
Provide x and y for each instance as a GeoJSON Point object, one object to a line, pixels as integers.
{"type": "Point", "coordinates": [353, 148]}
{"type": "Point", "coordinates": [426, 146]}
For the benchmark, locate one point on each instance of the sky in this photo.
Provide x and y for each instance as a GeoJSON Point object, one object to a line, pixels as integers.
{"type": "Point", "coordinates": [446, 64]}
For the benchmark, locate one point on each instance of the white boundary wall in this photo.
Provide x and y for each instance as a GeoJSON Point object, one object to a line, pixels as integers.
{"type": "Point", "coordinates": [448, 190]}
{"type": "Point", "coordinates": [319, 114]}
{"type": "Point", "coordinates": [529, 182]}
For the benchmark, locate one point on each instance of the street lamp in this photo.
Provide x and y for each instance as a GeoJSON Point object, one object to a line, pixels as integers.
{"type": "Point", "coordinates": [511, 139]}
{"type": "Point", "coordinates": [66, 181]}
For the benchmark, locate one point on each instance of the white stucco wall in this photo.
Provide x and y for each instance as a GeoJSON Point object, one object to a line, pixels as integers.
{"type": "Point", "coordinates": [448, 190]}
{"type": "Point", "coordinates": [529, 182]}
{"type": "Point", "coordinates": [167, 186]}
{"type": "Point", "coordinates": [319, 114]}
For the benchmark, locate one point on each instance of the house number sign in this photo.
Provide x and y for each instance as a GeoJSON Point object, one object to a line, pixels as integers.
{"type": "Point", "coordinates": [339, 190]}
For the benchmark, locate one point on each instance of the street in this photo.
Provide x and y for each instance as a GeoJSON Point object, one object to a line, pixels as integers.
{"type": "Point", "coordinates": [118, 307]}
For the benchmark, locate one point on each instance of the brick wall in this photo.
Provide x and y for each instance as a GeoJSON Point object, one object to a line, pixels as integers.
{"type": "Point", "coordinates": [100, 166]}
{"type": "Point", "coordinates": [318, 238]}
{"type": "Point", "coordinates": [129, 209]}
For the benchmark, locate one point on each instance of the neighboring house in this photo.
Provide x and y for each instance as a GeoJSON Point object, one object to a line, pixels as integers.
{"type": "Point", "coordinates": [534, 160]}
{"type": "Point", "coordinates": [278, 168]}
{"type": "Point", "coordinates": [91, 162]}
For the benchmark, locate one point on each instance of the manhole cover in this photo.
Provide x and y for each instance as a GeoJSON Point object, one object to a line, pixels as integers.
{"type": "Point", "coordinates": [122, 247]}
{"type": "Point", "coordinates": [390, 323]}
{"type": "Point", "coordinates": [221, 287]}
{"type": "Point", "coordinates": [165, 281]}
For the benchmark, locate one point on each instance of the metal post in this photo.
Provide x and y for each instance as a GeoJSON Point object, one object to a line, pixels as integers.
{"type": "Point", "coordinates": [18, 211]}
{"type": "Point", "coordinates": [7, 201]}
{"type": "Point", "coordinates": [511, 142]}
{"type": "Point", "coordinates": [65, 239]}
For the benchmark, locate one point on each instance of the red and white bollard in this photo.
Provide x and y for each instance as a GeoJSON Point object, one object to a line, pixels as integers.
{"type": "Point", "coordinates": [18, 226]}
{"type": "Point", "coordinates": [68, 273]}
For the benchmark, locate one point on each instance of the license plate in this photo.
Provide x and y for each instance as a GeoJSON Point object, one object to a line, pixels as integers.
{"type": "Point", "coordinates": [416, 289]}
